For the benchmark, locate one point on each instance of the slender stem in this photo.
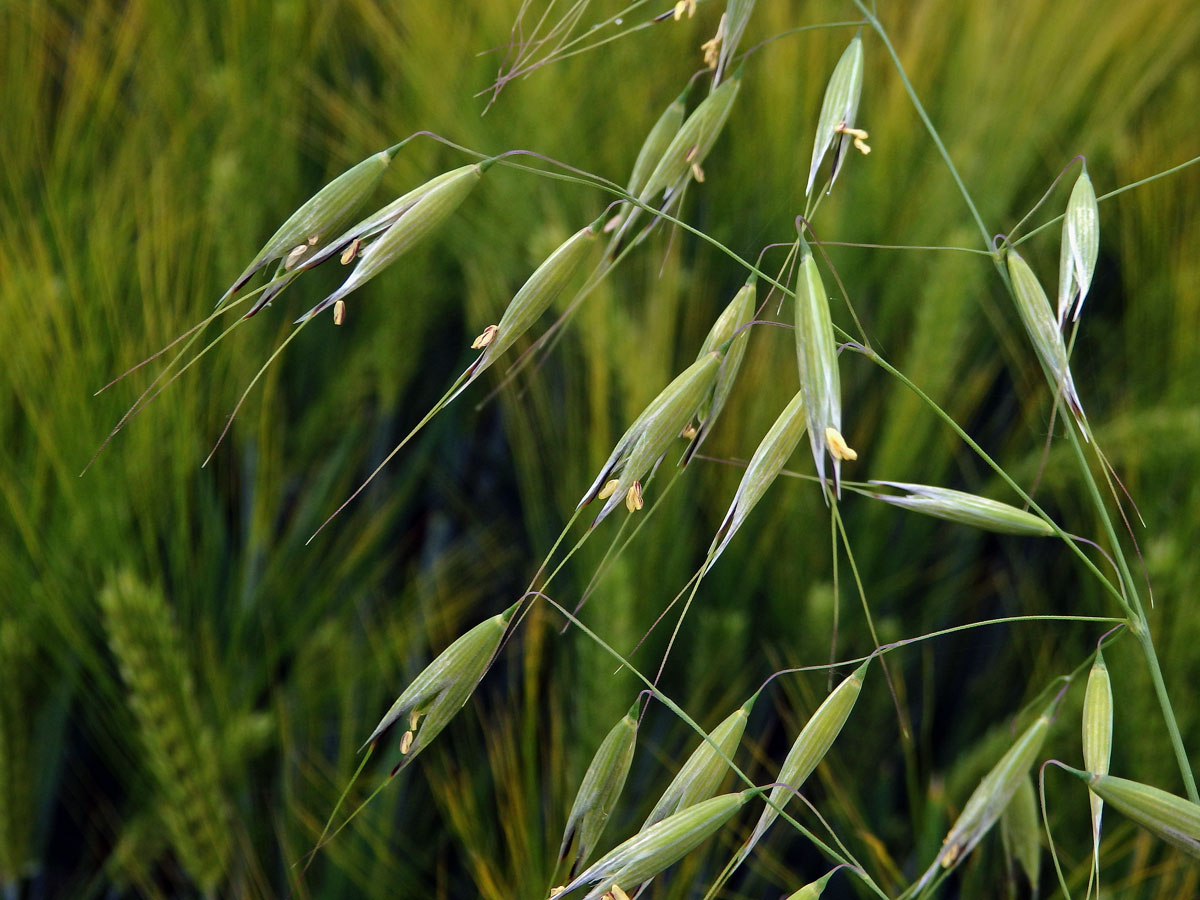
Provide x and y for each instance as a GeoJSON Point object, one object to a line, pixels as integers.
{"type": "Point", "coordinates": [1138, 624]}
{"type": "Point", "coordinates": [933, 133]}
{"type": "Point", "coordinates": [1142, 633]}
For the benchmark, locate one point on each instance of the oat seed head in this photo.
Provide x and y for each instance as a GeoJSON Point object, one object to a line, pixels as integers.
{"type": "Point", "coordinates": [816, 352]}
{"type": "Point", "coordinates": [599, 791]}
{"type": "Point", "coordinates": [769, 457]}
{"type": "Point", "coordinates": [692, 142]}
{"type": "Point", "coordinates": [1174, 819]}
{"type": "Point", "coordinates": [838, 110]}
{"type": "Point", "coordinates": [321, 216]}
{"type": "Point", "coordinates": [664, 843]}
{"type": "Point", "coordinates": [651, 434]}
{"type": "Point", "coordinates": [1080, 248]}
{"type": "Point", "coordinates": [1097, 735]}
{"type": "Point", "coordinates": [699, 778]}
{"type": "Point", "coordinates": [729, 328]}
{"type": "Point", "coordinates": [431, 209]}
{"type": "Point", "coordinates": [536, 295]}
{"type": "Point", "coordinates": [1042, 327]}
{"type": "Point", "coordinates": [990, 798]}
{"type": "Point", "coordinates": [444, 686]}
{"type": "Point", "coordinates": [809, 748]}
{"type": "Point", "coordinates": [966, 509]}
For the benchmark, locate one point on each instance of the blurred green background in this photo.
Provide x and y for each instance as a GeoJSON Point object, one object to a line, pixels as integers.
{"type": "Point", "coordinates": [184, 683]}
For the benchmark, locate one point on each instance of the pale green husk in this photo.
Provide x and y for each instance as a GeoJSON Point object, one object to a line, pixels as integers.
{"type": "Point", "coordinates": [1174, 819]}
{"type": "Point", "coordinates": [700, 777]}
{"type": "Point", "coordinates": [430, 210]}
{"type": "Point", "coordinates": [809, 748]}
{"type": "Point", "coordinates": [990, 798]}
{"type": "Point", "coordinates": [1080, 248]}
{"type": "Point", "coordinates": [322, 215]}
{"type": "Point", "coordinates": [445, 685]}
{"type": "Point", "coordinates": [816, 352]}
{"type": "Point", "coordinates": [765, 465]}
{"type": "Point", "coordinates": [838, 108]}
{"type": "Point", "coordinates": [651, 434]}
{"type": "Point", "coordinates": [664, 843]}
{"type": "Point", "coordinates": [599, 791]}
{"type": "Point", "coordinates": [1042, 327]}
{"type": "Point", "coordinates": [1021, 830]}
{"type": "Point", "coordinates": [1097, 735]}
{"type": "Point", "coordinates": [966, 509]}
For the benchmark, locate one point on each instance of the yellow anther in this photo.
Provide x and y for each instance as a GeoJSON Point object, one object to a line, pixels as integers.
{"type": "Point", "coordinates": [294, 256]}
{"type": "Point", "coordinates": [617, 893]}
{"type": "Point", "coordinates": [697, 172]}
{"type": "Point", "coordinates": [860, 137]}
{"type": "Point", "coordinates": [555, 891]}
{"type": "Point", "coordinates": [406, 742]}
{"type": "Point", "coordinates": [685, 6]}
{"type": "Point", "coordinates": [351, 251]}
{"type": "Point", "coordinates": [633, 499]}
{"type": "Point", "coordinates": [339, 312]}
{"type": "Point", "coordinates": [312, 240]}
{"type": "Point", "coordinates": [689, 432]}
{"type": "Point", "coordinates": [838, 446]}
{"type": "Point", "coordinates": [712, 47]}
{"type": "Point", "coordinates": [484, 339]}
{"type": "Point", "coordinates": [608, 490]}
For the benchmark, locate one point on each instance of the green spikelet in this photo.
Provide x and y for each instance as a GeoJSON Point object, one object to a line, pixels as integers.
{"type": "Point", "coordinates": [179, 747]}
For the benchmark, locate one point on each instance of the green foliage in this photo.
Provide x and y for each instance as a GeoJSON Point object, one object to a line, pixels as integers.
{"type": "Point", "coordinates": [148, 150]}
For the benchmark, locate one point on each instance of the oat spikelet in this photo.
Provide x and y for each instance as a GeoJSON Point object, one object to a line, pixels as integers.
{"type": "Point", "coordinates": [432, 207]}
{"type": "Point", "coordinates": [1097, 739]}
{"type": "Point", "coordinates": [990, 798]}
{"type": "Point", "coordinates": [816, 352]}
{"type": "Point", "coordinates": [319, 218]}
{"type": "Point", "coordinates": [664, 843]}
{"type": "Point", "coordinates": [436, 695]}
{"type": "Point", "coordinates": [700, 777]}
{"type": "Point", "coordinates": [1042, 328]}
{"type": "Point", "coordinates": [1174, 819]}
{"type": "Point", "coordinates": [1080, 248]}
{"type": "Point", "coordinates": [599, 791]}
{"type": "Point", "coordinates": [835, 126]}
